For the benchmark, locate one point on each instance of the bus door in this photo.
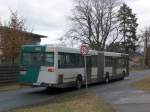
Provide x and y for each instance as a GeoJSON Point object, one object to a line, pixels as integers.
{"type": "Point", "coordinates": [114, 66]}
{"type": "Point", "coordinates": [127, 65]}
{"type": "Point", "coordinates": [89, 67]}
{"type": "Point", "coordinates": [100, 66]}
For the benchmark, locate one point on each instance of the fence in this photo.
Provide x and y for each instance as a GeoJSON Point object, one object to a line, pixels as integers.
{"type": "Point", "coordinates": [8, 74]}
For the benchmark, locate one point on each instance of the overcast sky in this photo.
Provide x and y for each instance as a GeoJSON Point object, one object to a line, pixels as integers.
{"type": "Point", "coordinates": [49, 17]}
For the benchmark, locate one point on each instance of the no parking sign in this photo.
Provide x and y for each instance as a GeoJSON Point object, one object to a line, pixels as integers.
{"type": "Point", "coordinates": [84, 49]}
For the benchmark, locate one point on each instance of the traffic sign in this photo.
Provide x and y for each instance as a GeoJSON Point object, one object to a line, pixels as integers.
{"type": "Point", "coordinates": [84, 49]}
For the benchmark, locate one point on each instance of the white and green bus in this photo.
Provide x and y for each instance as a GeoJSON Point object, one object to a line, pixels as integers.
{"type": "Point", "coordinates": [48, 66]}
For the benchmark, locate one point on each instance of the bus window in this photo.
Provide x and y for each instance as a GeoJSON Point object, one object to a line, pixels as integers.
{"type": "Point", "coordinates": [49, 59]}
{"type": "Point", "coordinates": [32, 58]}
{"type": "Point", "coordinates": [61, 60]}
{"type": "Point", "coordinates": [66, 60]}
{"type": "Point", "coordinates": [46, 59]}
{"type": "Point", "coordinates": [108, 61]}
{"type": "Point", "coordinates": [121, 62]}
{"type": "Point", "coordinates": [70, 60]}
{"type": "Point", "coordinates": [94, 61]}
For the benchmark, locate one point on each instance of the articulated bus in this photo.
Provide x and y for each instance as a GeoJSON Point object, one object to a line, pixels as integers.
{"type": "Point", "coordinates": [48, 66]}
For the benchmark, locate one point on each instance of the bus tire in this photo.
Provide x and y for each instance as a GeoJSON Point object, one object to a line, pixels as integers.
{"type": "Point", "coordinates": [123, 75]}
{"type": "Point", "coordinates": [107, 79]}
{"type": "Point", "coordinates": [79, 82]}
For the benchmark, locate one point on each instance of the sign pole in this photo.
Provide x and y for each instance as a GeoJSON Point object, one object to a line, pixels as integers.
{"type": "Point", "coordinates": [84, 49]}
{"type": "Point", "coordinates": [85, 71]}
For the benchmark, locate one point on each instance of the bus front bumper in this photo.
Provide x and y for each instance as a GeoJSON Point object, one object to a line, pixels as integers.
{"type": "Point", "coordinates": [64, 85]}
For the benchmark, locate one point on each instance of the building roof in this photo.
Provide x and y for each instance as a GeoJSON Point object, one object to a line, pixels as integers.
{"type": "Point", "coordinates": [28, 33]}
{"type": "Point", "coordinates": [36, 35]}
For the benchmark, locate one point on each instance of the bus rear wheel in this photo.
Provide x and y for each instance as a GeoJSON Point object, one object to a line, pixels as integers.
{"type": "Point", "coordinates": [123, 75]}
{"type": "Point", "coordinates": [107, 78]}
{"type": "Point", "coordinates": [79, 82]}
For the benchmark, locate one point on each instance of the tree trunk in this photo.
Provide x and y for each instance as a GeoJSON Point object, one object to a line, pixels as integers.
{"type": "Point", "coordinates": [145, 50]}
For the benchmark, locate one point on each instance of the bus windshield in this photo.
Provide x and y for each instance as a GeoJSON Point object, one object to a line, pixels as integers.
{"type": "Point", "coordinates": [42, 59]}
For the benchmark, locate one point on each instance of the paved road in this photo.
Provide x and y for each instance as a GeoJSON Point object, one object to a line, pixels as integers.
{"type": "Point", "coordinates": [120, 94]}
{"type": "Point", "coordinates": [125, 98]}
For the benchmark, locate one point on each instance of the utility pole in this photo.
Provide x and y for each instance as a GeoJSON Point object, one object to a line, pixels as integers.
{"type": "Point", "coordinates": [145, 48]}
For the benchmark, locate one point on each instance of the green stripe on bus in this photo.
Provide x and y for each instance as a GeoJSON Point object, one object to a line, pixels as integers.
{"type": "Point", "coordinates": [33, 71]}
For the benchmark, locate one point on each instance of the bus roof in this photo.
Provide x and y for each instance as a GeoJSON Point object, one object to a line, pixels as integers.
{"type": "Point", "coordinates": [91, 52]}
{"type": "Point", "coordinates": [52, 48]}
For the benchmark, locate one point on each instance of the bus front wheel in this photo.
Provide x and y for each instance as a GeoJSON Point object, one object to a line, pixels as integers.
{"type": "Point", "coordinates": [123, 75]}
{"type": "Point", "coordinates": [107, 78]}
{"type": "Point", "coordinates": [79, 82]}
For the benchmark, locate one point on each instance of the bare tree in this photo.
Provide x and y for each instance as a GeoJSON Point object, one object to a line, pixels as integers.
{"type": "Point", "coordinates": [145, 40]}
{"type": "Point", "coordinates": [68, 42]}
{"type": "Point", "coordinates": [93, 21]}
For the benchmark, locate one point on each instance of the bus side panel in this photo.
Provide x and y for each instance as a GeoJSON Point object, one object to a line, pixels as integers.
{"type": "Point", "coordinates": [100, 64]}
{"type": "Point", "coordinates": [94, 73]}
{"type": "Point", "coordinates": [127, 67]}
{"type": "Point", "coordinates": [108, 70]}
{"type": "Point", "coordinates": [30, 75]}
{"type": "Point", "coordinates": [70, 74]}
{"type": "Point", "coordinates": [119, 71]}
{"type": "Point", "coordinates": [47, 77]}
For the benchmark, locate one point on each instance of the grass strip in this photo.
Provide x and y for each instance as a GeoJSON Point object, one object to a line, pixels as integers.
{"type": "Point", "coordinates": [9, 87]}
{"type": "Point", "coordinates": [80, 101]}
{"type": "Point", "coordinates": [142, 84]}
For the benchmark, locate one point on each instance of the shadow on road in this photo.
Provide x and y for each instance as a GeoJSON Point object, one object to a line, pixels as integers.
{"type": "Point", "coordinates": [52, 91]}
{"type": "Point", "coordinates": [57, 91]}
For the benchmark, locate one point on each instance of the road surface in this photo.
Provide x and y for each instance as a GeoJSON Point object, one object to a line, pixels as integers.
{"type": "Point", "coordinates": [120, 94]}
{"type": "Point", "coordinates": [125, 98]}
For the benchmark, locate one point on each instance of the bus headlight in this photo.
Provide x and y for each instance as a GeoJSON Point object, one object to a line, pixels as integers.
{"type": "Point", "coordinates": [23, 72]}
